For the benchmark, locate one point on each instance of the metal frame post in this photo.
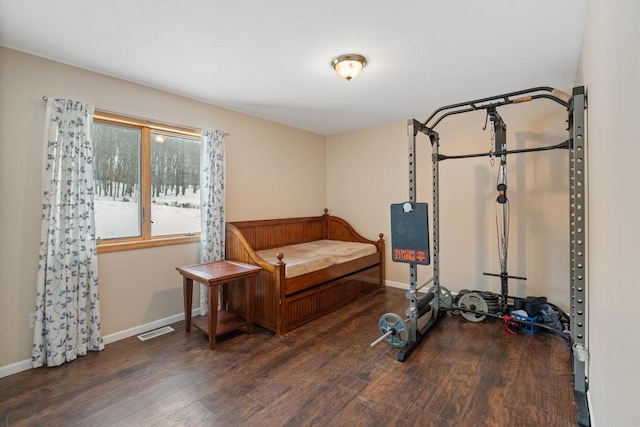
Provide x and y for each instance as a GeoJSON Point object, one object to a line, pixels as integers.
{"type": "Point", "coordinates": [415, 333]}
{"type": "Point", "coordinates": [435, 258]}
{"type": "Point", "coordinates": [412, 312]}
{"type": "Point", "coordinates": [577, 183]}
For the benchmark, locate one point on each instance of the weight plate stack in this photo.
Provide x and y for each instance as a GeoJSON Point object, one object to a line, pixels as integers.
{"type": "Point", "coordinates": [492, 300]}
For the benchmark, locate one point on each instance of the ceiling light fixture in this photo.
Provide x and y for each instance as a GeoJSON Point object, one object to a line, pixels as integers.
{"type": "Point", "coordinates": [348, 66]}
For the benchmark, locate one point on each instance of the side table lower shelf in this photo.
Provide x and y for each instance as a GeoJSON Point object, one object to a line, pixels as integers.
{"type": "Point", "coordinates": [227, 322]}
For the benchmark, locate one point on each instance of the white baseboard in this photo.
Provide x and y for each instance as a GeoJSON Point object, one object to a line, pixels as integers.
{"type": "Point", "coordinates": [396, 284]}
{"type": "Point", "coordinates": [14, 368]}
{"type": "Point", "coordinates": [117, 336]}
{"type": "Point", "coordinates": [24, 365]}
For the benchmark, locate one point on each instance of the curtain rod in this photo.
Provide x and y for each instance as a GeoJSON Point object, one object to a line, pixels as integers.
{"type": "Point", "coordinates": [46, 98]}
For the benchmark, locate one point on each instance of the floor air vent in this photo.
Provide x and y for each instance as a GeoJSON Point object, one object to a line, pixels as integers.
{"type": "Point", "coordinates": [155, 333]}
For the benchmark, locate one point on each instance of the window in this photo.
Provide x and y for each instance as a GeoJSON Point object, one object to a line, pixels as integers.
{"type": "Point", "coordinates": [147, 183]}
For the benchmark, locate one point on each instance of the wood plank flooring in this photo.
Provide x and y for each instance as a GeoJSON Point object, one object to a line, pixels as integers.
{"type": "Point", "coordinates": [323, 374]}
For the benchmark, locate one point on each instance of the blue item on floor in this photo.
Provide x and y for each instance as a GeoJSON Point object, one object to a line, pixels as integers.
{"type": "Point", "coordinates": [527, 324]}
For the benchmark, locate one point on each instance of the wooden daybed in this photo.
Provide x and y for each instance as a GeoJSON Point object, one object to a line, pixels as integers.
{"type": "Point", "coordinates": [284, 303]}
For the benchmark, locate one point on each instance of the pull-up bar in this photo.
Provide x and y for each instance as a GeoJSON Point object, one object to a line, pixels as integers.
{"type": "Point", "coordinates": [517, 97]}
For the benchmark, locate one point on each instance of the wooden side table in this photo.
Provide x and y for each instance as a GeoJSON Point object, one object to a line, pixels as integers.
{"type": "Point", "coordinates": [214, 274]}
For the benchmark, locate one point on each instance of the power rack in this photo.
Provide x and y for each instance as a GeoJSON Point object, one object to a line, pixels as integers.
{"type": "Point", "coordinates": [405, 333]}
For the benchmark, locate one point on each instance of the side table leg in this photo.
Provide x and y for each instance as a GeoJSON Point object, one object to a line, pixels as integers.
{"type": "Point", "coordinates": [224, 303]}
{"type": "Point", "coordinates": [187, 287]}
{"type": "Point", "coordinates": [251, 297]}
{"type": "Point", "coordinates": [213, 315]}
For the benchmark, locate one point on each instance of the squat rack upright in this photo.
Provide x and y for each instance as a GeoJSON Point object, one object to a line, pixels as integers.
{"type": "Point", "coordinates": [576, 144]}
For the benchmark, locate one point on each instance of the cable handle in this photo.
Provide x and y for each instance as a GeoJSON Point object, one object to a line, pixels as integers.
{"type": "Point", "coordinates": [502, 193]}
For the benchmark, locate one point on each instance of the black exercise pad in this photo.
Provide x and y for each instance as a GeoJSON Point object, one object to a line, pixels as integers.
{"type": "Point", "coordinates": [410, 233]}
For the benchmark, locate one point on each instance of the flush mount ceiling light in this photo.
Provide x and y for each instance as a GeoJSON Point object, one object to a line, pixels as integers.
{"type": "Point", "coordinates": [348, 66]}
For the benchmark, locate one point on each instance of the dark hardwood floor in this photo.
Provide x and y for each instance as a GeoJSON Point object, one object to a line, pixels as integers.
{"type": "Point", "coordinates": [462, 374]}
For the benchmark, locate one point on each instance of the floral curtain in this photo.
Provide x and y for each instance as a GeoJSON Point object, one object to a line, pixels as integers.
{"type": "Point", "coordinates": [67, 304]}
{"type": "Point", "coordinates": [212, 202]}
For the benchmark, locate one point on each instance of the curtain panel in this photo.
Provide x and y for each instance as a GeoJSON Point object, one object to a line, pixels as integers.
{"type": "Point", "coordinates": [211, 203]}
{"type": "Point", "coordinates": [67, 302]}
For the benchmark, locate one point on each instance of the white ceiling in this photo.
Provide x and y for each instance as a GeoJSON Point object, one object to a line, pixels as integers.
{"type": "Point", "coordinates": [271, 59]}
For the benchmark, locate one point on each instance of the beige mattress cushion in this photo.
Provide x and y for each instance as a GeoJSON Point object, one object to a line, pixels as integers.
{"type": "Point", "coordinates": [307, 257]}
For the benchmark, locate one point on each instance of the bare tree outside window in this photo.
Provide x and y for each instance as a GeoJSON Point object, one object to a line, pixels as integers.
{"type": "Point", "coordinates": [138, 198]}
{"type": "Point", "coordinates": [175, 185]}
{"type": "Point", "coordinates": [116, 171]}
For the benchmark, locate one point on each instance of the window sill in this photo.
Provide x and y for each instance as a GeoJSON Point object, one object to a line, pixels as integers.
{"type": "Point", "coordinates": [142, 244]}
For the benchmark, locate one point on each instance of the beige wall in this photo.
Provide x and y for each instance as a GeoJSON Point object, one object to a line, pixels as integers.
{"type": "Point", "coordinates": [272, 171]}
{"type": "Point", "coordinates": [368, 170]}
{"type": "Point", "coordinates": [610, 70]}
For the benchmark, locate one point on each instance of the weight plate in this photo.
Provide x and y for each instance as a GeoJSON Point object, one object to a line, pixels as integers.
{"type": "Point", "coordinates": [455, 301]}
{"type": "Point", "coordinates": [472, 301]}
{"type": "Point", "coordinates": [444, 299]}
{"type": "Point", "coordinates": [392, 322]}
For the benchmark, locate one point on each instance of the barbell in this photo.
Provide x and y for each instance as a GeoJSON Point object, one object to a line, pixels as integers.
{"type": "Point", "coordinates": [393, 329]}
